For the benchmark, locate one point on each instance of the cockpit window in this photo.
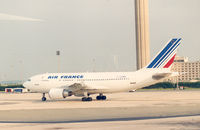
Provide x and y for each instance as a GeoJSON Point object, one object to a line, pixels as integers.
{"type": "Point", "coordinates": [29, 79]}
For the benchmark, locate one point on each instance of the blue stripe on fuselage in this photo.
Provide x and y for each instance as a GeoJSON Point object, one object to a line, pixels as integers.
{"type": "Point", "coordinates": [167, 53]}
{"type": "Point", "coordinates": [161, 53]}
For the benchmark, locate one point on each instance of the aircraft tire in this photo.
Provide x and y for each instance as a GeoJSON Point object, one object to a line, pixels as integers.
{"type": "Point", "coordinates": [84, 99]}
{"type": "Point", "coordinates": [103, 97]}
{"type": "Point", "coordinates": [44, 99]}
{"type": "Point", "coordinates": [89, 99]}
{"type": "Point", "coordinates": [98, 97]}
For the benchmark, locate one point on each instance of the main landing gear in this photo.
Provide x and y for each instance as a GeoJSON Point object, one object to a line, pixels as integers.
{"type": "Point", "coordinates": [101, 97]}
{"type": "Point", "coordinates": [86, 99]}
{"type": "Point", "coordinates": [43, 97]}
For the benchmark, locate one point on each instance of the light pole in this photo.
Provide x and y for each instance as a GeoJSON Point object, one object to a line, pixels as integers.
{"type": "Point", "coordinates": [177, 80]}
{"type": "Point", "coordinates": [58, 55]}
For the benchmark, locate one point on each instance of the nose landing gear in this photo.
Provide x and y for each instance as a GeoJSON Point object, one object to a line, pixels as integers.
{"type": "Point", "coordinates": [43, 97]}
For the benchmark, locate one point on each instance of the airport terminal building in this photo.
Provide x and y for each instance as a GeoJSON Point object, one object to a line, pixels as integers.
{"type": "Point", "coordinates": [190, 70]}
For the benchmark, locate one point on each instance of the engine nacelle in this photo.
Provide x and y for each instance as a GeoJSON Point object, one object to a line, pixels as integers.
{"type": "Point", "coordinates": [59, 93]}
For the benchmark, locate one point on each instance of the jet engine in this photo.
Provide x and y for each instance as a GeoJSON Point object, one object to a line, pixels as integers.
{"type": "Point", "coordinates": [59, 93]}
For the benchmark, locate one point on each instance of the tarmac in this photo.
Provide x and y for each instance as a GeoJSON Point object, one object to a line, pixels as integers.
{"type": "Point", "coordinates": [166, 110]}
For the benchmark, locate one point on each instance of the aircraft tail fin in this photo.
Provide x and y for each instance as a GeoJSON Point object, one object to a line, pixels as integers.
{"type": "Point", "coordinates": [166, 56]}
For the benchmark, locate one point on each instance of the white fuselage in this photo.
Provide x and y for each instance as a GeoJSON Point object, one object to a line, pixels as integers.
{"type": "Point", "coordinates": [104, 82]}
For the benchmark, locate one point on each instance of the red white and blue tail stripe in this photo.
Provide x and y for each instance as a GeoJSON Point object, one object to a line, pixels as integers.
{"type": "Point", "coordinates": [166, 56]}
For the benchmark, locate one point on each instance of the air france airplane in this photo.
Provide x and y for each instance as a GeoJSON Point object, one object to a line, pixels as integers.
{"type": "Point", "coordinates": [62, 85]}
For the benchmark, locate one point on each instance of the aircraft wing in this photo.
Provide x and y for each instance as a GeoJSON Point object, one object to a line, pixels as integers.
{"type": "Point", "coordinates": [74, 87]}
{"type": "Point", "coordinates": [159, 76]}
{"type": "Point", "coordinates": [96, 88]}
{"type": "Point", "coordinates": [79, 87]}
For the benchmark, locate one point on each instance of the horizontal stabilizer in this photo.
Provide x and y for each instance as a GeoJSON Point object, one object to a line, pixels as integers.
{"type": "Point", "coordinates": [160, 76]}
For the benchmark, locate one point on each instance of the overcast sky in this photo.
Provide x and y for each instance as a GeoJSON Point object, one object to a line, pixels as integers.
{"type": "Point", "coordinates": [91, 34]}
